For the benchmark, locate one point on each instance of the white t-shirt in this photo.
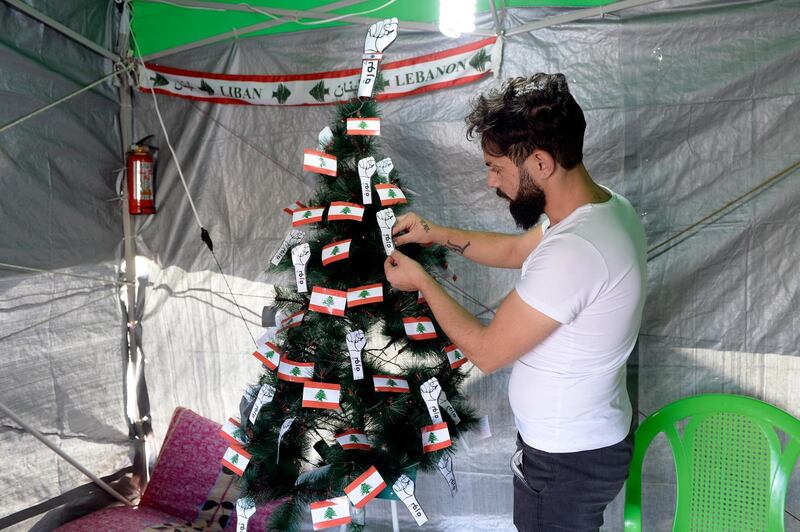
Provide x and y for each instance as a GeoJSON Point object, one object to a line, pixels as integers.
{"type": "Point", "coordinates": [588, 272]}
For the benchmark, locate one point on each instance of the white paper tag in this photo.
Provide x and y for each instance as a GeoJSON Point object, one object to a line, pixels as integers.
{"type": "Point", "coordinates": [404, 489]}
{"type": "Point", "coordinates": [445, 465]}
{"type": "Point", "coordinates": [265, 395]}
{"type": "Point", "coordinates": [287, 424]}
{"type": "Point", "coordinates": [292, 238]}
{"type": "Point", "coordinates": [324, 138]}
{"type": "Point", "coordinates": [300, 256]}
{"type": "Point", "coordinates": [245, 507]}
{"type": "Point", "coordinates": [369, 71]}
{"type": "Point", "coordinates": [449, 408]}
{"type": "Point", "coordinates": [386, 221]}
{"type": "Point", "coordinates": [355, 344]}
{"type": "Point", "coordinates": [430, 391]}
{"type": "Point", "coordinates": [384, 167]}
{"type": "Point", "coordinates": [366, 169]}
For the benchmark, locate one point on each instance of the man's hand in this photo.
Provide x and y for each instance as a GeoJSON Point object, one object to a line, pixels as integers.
{"type": "Point", "coordinates": [414, 229]}
{"type": "Point", "coordinates": [403, 273]}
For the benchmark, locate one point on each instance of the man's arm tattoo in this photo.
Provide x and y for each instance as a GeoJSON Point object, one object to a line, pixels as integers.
{"type": "Point", "coordinates": [425, 225]}
{"type": "Point", "coordinates": [456, 248]}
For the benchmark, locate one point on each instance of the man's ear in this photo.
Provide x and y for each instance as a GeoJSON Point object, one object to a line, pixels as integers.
{"type": "Point", "coordinates": [541, 164]}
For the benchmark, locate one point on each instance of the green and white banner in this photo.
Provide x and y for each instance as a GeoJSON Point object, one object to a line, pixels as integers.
{"type": "Point", "coordinates": [396, 79]}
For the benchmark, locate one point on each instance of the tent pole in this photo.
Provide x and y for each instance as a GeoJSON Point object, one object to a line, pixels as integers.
{"type": "Point", "coordinates": [240, 31]}
{"type": "Point", "coordinates": [578, 15]}
{"type": "Point", "coordinates": [75, 36]}
{"type": "Point", "coordinates": [497, 28]}
{"type": "Point", "coordinates": [134, 365]}
{"type": "Point", "coordinates": [38, 435]}
{"type": "Point", "coordinates": [297, 14]}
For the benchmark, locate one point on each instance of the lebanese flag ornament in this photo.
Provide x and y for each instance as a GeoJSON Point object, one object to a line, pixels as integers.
{"type": "Point", "coordinates": [289, 209]}
{"type": "Point", "coordinates": [435, 437]}
{"type": "Point", "coordinates": [390, 194]}
{"type": "Point", "coordinates": [233, 432]}
{"type": "Point", "coordinates": [236, 459]}
{"type": "Point", "coordinates": [419, 328]}
{"type": "Point", "coordinates": [330, 512]}
{"type": "Point", "coordinates": [321, 395]}
{"type": "Point", "coordinates": [342, 210]}
{"type": "Point", "coordinates": [319, 162]}
{"type": "Point", "coordinates": [336, 251]}
{"type": "Point", "coordinates": [387, 383]}
{"type": "Point", "coordinates": [268, 354]}
{"type": "Point", "coordinates": [328, 301]}
{"type": "Point", "coordinates": [365, 488]}
{"type": "Point", "coordinates": [364, 126]}
{"type": "Point", "coordinates": [455, 356]}
{"type": "Point", "coordinates": [291, 371]}
{"type": "Point", "coordinates": [309, 215]}
{"type": "Point", "coordinates": [292, 321]}
{"type": "Point", "coordinates": [353, 440]}
{"type": "Point", "coordinates": [364, 295]}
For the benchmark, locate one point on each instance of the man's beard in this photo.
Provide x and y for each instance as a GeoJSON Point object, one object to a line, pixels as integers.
{"type": "Point", "coordinates": [528, 206]}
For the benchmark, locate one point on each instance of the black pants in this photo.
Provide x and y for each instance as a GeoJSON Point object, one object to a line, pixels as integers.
{"type": "Point", "coordinates": [568, 491]}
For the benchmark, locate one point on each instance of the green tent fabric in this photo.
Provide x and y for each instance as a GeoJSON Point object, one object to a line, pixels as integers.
{"type": "Point", "coordinates": [161, 26]}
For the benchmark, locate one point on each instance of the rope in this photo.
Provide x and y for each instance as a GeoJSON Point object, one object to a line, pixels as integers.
{"type": "Point", "coordinates": [755, 189]}
{"type": "Point", "coordinates": [6, 266]}
{"type": "Point", "coordinates": [90, 86]}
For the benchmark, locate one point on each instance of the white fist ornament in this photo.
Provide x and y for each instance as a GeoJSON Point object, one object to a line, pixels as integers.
{"type": "Point", "coordinates": [430, 391]}
{"type": "Point", "coordinates": [386, 221]}
{"type": "Point", "coordinates": [292, 238]}
{"type": "Point", "coordinates": [384, 168]}
{"type": "Point", "coordinates": [379, 36]}
{"type": "Point", "coordinates": [366, 169]}
{"type": "Point", "coordinates": [355, 344]}
{"type": "Point", "coordinates": [300, 256]}
{"type": "Point", "coordinates": [445, 465]}
{"type": "Point", "coordinates": [404, 489]}
{"type": "Point", "coordinates": [245, 507]}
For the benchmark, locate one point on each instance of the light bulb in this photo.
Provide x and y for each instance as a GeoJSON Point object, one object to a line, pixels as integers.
{"type": "Point", "coordinates": [456, 17]}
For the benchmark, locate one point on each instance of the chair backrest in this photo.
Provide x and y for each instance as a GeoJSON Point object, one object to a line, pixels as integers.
{"type": "Point", "coordinates": [731, 470]}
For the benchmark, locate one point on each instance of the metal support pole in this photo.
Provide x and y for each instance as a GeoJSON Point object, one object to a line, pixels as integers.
{"type": "Point", "coordinates": [75, 36]}
{"type": "Point", "coordinates": [39, 436]}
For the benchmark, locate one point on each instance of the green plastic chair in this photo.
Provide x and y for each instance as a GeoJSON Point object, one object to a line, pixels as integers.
{"type": "Point", "coordinates": [731, 471]}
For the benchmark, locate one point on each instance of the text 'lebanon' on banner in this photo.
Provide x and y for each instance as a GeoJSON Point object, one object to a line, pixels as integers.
{"type": "Point", "coordinates": [407, 77]}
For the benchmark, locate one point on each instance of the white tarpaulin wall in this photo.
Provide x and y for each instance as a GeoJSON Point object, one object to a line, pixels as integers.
{"type": "Point", "coordinates": [688, 104]}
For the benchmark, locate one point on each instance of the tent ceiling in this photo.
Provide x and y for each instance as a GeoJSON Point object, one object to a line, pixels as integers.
{"type": "Point", "coordinates": [162, 25]}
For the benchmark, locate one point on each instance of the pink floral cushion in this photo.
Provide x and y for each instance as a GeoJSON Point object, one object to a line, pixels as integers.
{"type": "Point", "coordinates": [117, 519]}
{"type": "Point", "coordinates": [186, 470]}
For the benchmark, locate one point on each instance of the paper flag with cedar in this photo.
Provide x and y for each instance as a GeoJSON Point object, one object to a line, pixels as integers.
{"type": "Point", "coordinates": [292, 321]}
{"type": "Point", "coordinates": [336, 251]}
{"type": "Point", "coordinates": [321, 395]}
{"type": "Point", "coordinates": [364, 295]}
{"type": "Point", "coordinates": [233, 433]}
{"type": "Point", "coordinates": [353, 440]}
{"type": "Point", "coordinates": [330, 513]}
{"type": "Point", "coordinates": [268, 354]}
{"type": "Point", "coordinates": [236, 459]}
{"type": "Point", "coordinates": [328, 301]}
{"type": "Point", "coordinates": [307, 216]}
{"type": "Point", "coordinates": [319, 162]}
{"type": "Point", "coordinates": [365, 488]}
{"type": "Point", "coordinates": [388, 383]}
{"type": "Point", "coordinates": [292, 371]}
{"type": "Point", "coordinates": [289, 209]}
{"type": "Point", "coordinates": [390, 194]}
{"type": "Point", "coordinates": [435, 437]}
{"type": "Point", "coordinates": [363, 126]}
{"type": "Point", "coordinates": [455, 356]}
{"type": "Point", "coordinates": [420, 328]}
{"type": "Point", "coordinates": [343, 210]}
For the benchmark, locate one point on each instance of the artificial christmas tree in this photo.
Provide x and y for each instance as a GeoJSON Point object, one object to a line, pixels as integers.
{"type": "Point", "coordinates": [342, 411]}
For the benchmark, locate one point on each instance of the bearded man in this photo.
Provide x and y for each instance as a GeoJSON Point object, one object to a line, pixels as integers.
{"type": "Point", "coordinates": [573, 318]}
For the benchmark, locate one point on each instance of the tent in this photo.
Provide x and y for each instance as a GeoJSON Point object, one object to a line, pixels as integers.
{"type": "Point", "coordinates": [691, 106]}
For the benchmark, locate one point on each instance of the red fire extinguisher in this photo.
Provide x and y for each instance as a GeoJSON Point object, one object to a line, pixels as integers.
{"type": "Point", "coordinates": [142, 178]}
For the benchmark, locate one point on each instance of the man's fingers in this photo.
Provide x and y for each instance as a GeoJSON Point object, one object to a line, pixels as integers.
{"type": "Point", "coordinates": [402, 239]}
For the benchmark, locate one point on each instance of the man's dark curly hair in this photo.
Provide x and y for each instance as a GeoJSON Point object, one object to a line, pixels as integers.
{"type": "Point", "coordinates": [525, 114]}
